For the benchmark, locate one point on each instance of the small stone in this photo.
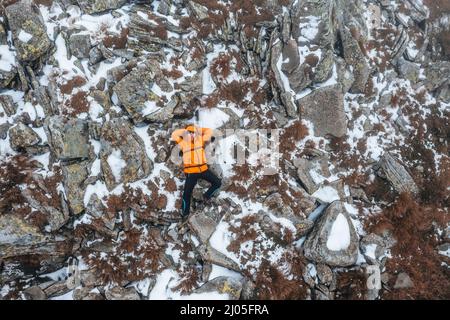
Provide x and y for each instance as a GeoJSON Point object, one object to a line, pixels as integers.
{"type": "Point", "coordinates": [403, 281]}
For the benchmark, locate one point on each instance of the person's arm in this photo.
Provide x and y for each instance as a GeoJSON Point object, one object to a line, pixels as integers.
{"type": "Point", "coordinates": [177, 135]}
{"type": "Point", "coordinates": [207, 134]}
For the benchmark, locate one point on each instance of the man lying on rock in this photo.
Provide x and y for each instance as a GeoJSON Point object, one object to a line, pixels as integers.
{"type": "Point", "coordinates": [192, 140]}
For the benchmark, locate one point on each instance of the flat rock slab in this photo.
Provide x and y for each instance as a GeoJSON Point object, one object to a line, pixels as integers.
{"type": "Point", "coordinates": [324, 107]}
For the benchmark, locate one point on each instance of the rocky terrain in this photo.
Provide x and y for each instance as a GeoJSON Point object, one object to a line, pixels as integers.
{"type": "Point", "coordinates": [90, 92]}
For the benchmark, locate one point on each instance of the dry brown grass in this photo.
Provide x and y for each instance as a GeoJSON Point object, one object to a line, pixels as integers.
{"type": "Point", "coordinates": [272, 284]}
{"type": "Point", "coordinates": [414, 225]}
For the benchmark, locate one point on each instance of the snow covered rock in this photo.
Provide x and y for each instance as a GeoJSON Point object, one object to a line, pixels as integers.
{"type": "Point", "coordinates": [324, 107]}
{"type": "Point", "coordinates": [28, 29]}
{"type": "Point", "coordinates": [204, 223]}
{"type": "Point", "coordinates": [8, 65]}
{"type": "Point", "coordinates": [122, 155]}
{"type": "Point", "coordinates": [136, 92]}
{"type": "Point", "coordinates": [397, 175]}
{"type": "Point", "coordinates": [333, 240]}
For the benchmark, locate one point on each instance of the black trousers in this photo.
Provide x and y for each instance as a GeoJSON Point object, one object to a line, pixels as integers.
{"type": "Point", "coordinates": [191, 181]}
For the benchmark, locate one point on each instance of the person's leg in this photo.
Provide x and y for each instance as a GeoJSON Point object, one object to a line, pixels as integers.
{"type": "Point", "coordinates": [209, 176]}
{"type": "Point", "coordinates": [191, 180]}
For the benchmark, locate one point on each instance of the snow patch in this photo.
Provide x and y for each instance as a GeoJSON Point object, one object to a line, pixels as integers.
{"type": "Point", "coordinates": [339, 238]}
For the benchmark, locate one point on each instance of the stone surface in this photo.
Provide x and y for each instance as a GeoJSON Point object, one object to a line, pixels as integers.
{"type": "Point", "coordinates": [324, 107]}
{"type": "Point", "coordinates": [215, 257]}
{"type": "Point", "coordinates": [403, 281]}
{"type": "Point", "coordinates": [68, 138]}
{"type": "Point", "coordinates": [80, 46]}
{"type": "Point", "coordinates": [223, 285]}
{"type": "Point", "coordinates": [34, 293]}
{"type": "Point", "coordinates": [22, 136]}
{"type": "Point", "coordinates": [119, 293]}
{"type": "Point", "coordinates": [97, 6]}
{"type": "Point", "coordinates": [397, 175]}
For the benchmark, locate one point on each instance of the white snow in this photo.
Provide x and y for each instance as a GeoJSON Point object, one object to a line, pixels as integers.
{"type": "Point", "coordinates": [7, 58]}
{"type": "Point", "coordinates": [339, 237]}
{"type": "Point", "coordinates": [24, 36]}
{"type": "Point", "coordinates": [57, 275]}
{"type": "Point", "coordinates": [211, 118]}
{"type": "Point", "coordinates": [66, 296]}
{"type": "Point", "coordinates": [326, 194]}
{"type": "Point", "coordinates": [218, 271]}
{"type": "Point", "coordinates": [116, 163]}
{"type": "Point", "coordinates": [369, 250]}
{"type": "Point", "coordinates": [150, 107]}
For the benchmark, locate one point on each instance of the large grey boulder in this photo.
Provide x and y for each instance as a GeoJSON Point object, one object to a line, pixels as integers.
{"type": "Point", "coordinates": [28, 30]}
{"type": "Point", "coordinates": [396, 174]}
{"type": "Point", "coordinates": [68, 138]}
{"type": "Point", "coordinates": [97, 6]}
{"type": "Point", "coordinates": [324, 107]}
{"type": "Point", "coordinates": [123, 157]}
{"type": "Point", "coordinates": [333, 240]}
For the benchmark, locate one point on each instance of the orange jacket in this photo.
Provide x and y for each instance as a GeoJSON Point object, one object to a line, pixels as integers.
{"type": "Point", "coordinates": [194, 159]}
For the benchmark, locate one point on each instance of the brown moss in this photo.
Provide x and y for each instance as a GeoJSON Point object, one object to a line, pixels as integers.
{"type": "Point", "coordinates": [173, 74]}
{"type": "Point", "coordinates": [75, 82]}
{"type": "Point", "coordinates": [291, 136]}
{"type": "Point", "coordinates": [77, 104]}
{"type": "Point", "coordinates": [312, 60]}
{"type": "Point", "coordinates": [117, 41]}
